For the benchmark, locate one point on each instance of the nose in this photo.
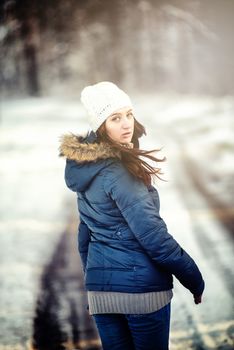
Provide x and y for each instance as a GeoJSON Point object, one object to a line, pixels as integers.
{"type": "Point", "coordinates": [126, 123]}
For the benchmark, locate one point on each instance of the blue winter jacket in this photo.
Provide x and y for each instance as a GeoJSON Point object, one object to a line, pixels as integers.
{"type": "Point", "coordinates": [123, 242]}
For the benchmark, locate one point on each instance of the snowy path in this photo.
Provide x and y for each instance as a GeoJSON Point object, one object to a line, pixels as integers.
{"type": "Point", "coordinates": [36, 208]}
{"type": "Point", "coordinates": [33, 207]}
{"type": "Point", "coordinates": [190, 220]}
{"type": "Point", "coordinates": [193, 223]}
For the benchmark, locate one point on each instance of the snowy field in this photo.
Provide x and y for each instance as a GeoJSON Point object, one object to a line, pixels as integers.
{"type": "Point", "coordinates": [203, 129]}
{"type": "Point", "coordinates": [35, 203]}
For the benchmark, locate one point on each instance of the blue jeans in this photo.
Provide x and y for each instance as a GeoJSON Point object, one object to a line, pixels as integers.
{"type": "Point", "coordinates": [135, 331]}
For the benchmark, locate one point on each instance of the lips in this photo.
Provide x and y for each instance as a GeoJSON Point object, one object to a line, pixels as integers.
{"type": "Point", "coordinates": [127, 134]}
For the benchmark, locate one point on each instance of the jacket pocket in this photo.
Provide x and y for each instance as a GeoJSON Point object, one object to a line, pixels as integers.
{"type": "Point", "coordinates": [124, 233]}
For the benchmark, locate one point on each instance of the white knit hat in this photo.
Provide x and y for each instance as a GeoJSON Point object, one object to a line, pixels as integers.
{"type": "Point", "coordinates": [101, 100]}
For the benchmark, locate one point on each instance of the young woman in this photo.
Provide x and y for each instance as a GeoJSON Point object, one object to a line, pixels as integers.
{"type": "Point", "coordinates": [128, 256]}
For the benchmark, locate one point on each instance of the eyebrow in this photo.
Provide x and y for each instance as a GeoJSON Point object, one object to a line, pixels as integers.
{"type": "Point", "coordinates": [120, 113]}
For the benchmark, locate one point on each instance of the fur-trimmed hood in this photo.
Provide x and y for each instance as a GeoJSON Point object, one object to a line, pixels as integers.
{"type": "Point", "coordinates": [80, 149]}
{"type": "Point", "coordinates": [85, 158]}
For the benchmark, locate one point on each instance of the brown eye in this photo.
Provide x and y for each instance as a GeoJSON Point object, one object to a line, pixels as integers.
{"type": "Point", "coordinates": [115, 119]}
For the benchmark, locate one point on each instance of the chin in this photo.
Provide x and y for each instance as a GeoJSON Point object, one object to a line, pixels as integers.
{"type": "Point", "coordinates": [126, 140]}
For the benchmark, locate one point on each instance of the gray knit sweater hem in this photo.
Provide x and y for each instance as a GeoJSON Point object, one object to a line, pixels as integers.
{"type": "Point", "coordinates": [127, 303]}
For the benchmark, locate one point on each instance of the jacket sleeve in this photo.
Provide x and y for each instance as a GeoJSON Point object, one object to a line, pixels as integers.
{"type": "Point", "coordinates": [141, 214]}
{"type": "Point", "coordinates": [83, 243]}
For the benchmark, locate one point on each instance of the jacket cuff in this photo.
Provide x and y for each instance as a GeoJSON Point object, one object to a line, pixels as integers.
{"type": "Point", "coordinates": [199, 290]}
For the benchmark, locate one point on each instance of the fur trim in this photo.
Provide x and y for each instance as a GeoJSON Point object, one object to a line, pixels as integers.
{"type": "Point", "coordinates": [73, 147]}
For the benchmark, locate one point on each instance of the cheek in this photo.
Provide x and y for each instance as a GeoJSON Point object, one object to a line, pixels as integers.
{"type": "Point", "coordinates": [113, 131]}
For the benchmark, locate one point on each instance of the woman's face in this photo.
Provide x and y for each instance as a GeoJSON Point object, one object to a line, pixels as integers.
{"type": "Point", "coordinates": [120, 125]}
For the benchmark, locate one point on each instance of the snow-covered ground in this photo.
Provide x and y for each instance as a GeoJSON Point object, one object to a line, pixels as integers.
{"type": "Point", "coordinates": [33, 206]}
{"type": "Point", "coordinates": [203, 127]}
{"type": "Point", "coordinates": [35, 203]}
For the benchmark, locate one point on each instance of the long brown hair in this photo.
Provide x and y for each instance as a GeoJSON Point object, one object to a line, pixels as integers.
{"type": "Point", "coordinates": [132, 157]}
